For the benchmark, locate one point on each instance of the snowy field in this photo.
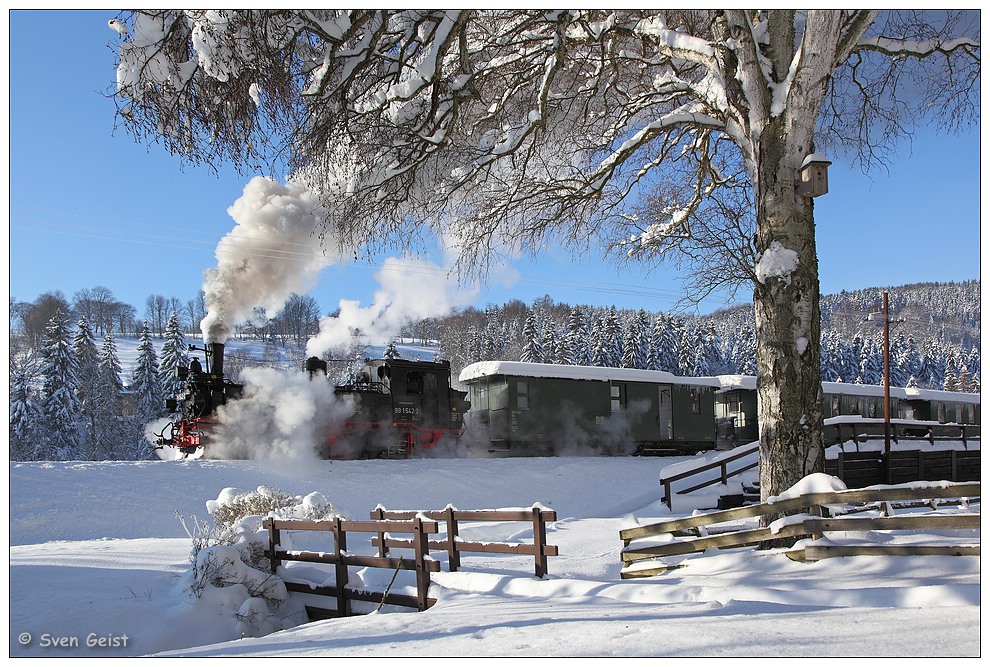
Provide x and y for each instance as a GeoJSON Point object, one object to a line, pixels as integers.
{"type": "Point", "coordinates": [97, 556]}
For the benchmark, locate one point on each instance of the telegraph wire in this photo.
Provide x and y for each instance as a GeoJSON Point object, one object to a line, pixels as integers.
{"type": "Point", "coordinates": [212, 246]}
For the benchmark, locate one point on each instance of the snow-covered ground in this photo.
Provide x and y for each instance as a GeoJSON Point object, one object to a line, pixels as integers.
{"type": "Point", "coordinates": [98, 555]}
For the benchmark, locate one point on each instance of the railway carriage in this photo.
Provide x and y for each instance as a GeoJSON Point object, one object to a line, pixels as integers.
{"type": "Point", "coordinates": [737, 401]}
{"type": "Point", "coordinates": [546, 409]}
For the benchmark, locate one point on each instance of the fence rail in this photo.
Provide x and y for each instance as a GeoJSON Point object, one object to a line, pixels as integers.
{"type": "Point", "coordinates": [341, 560]}
{"type": "Point", "coordinates": [859, 430]}
{"type": "Point", "coordinates": [905, 465]}
{"type": "Point", "coordinates": [689, 535]}
{"type": "Point", "coordinates": [722, 465]}
{"type": "Point", "coordinates": [455, 546]}
{"type": "Point", "coordinates": [419, 525]}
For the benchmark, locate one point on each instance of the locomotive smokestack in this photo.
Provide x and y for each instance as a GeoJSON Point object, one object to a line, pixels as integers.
{"type": "Point", "coordinates": [215, 355]}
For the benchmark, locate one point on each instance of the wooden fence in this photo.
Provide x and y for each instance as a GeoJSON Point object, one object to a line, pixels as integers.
{"type": "Point", "coordinates": [858, 430]}
{"type": "Point", "coordinates": [692, 534]}
{"type": "Point", "coordinates": [341, 559]}
{"type": "Point", "coordinates": [419, 525]}
{"type": "Point", "coordinates": [455, 546]}
{"type": "Point", "coordinates": [724, 473]}
{"type": "Point", "coordinates": [862, 468]}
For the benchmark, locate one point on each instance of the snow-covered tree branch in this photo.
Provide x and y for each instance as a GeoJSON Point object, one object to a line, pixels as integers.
{"type": "Point", "coordinates": [515, 129]}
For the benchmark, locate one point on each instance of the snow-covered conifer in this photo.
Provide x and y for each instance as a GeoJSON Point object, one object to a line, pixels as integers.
{"type": "Point", "coordinates": [533, 347]}
{"type": "Point", "coordinates": [145, 382]}
{"type": "Point", "coordinates": [88, 382]}
{"type": "Point", "coordinates": [608, 349]}
{"type": "Point", "coordinates": [577, 344]}
{"type": "Point", "coordinates": [60, 438]}
{"type": "Point", "coordinates": [634, 345]}
{"type": "Point", "coordinates": [110, 431]}
{"type": "Point", "coordinates": [25, 411]}
{"type": "Point", "coordinates": [174, 355]}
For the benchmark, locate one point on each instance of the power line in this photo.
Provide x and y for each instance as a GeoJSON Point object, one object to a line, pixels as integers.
{"type": "Point", "coordinates": [129, 235]}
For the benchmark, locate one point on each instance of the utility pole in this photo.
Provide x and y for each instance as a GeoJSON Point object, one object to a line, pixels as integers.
{"type": "Point", "coordinates": [886, 389]}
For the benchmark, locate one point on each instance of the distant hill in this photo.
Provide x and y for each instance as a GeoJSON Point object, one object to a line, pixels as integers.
{"type": "Point", "coordinates": [936, 332]}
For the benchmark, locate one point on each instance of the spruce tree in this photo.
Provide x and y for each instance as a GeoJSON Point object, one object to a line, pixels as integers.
{"type": "Point", "coordinates": [110, 432]}
{"type": "Point", "coordinates": [549, 345]}
{"type": "Point", "coordinates": [88, 383]}
{"type": "Point", "coordinates": [951, 381]}
{"type": "Point", "coordinates": [577, 348]}
{"type": "Point", "coordinates": [61, 410]}
{"type": "Point", "coordinates": [632, 345]}
{"type": "Point", "coordinates": [25, 411]}
{"type": "Point", "coordinates": [608, 350]}
{"type": "Point", "coordinates": [533, 348]}
{"type": "Point", "coordinates": [145, 381]}
{"type": "Point", "coordinates": [174, 355]}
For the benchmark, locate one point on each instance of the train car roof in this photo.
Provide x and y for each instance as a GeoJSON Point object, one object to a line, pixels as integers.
{"type": "Point", "coordinates": [483, 369]}
{"type": "Point", "coordinates": [732, 382]}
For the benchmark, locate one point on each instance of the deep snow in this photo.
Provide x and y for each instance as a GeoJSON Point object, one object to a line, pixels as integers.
{"type": "Point", "coordinates": [98, 554]}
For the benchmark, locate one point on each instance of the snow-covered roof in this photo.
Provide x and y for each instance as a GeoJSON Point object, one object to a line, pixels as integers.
{"type": "Point", "coordinates": [484, 369]}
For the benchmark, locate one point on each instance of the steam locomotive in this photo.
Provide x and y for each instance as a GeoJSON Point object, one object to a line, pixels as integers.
{"type": "Point", "coordinates": [400, 408]}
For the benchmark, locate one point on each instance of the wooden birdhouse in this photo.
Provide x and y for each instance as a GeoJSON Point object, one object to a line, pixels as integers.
{"type": "Point", "coordinates": [814, 176]}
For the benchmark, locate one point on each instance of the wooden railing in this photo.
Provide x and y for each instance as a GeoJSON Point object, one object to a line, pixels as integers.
{"type": "Point", "coordinates": [341, 560]}
{"type": "Point", "coordinates": [537, 517]}
{"type": "Point", "coordinates": [691, 535]}
{"type": "Point", "coordinates": [858, 431]}
{"type": "Point", "coordinates": [419, 525]}
{"type": "Point", "coordinates": [721, 465]}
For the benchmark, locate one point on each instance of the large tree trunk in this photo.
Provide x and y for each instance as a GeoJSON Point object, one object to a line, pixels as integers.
{"type": "Point", "coordinates": [788, 321]}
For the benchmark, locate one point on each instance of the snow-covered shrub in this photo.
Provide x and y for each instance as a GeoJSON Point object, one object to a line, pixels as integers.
{"type": "Point", "coordinates": [230, 568]}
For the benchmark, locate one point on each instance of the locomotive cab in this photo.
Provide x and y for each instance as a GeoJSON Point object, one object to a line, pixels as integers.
{"type": "Point", "coordinates": [401, 406]}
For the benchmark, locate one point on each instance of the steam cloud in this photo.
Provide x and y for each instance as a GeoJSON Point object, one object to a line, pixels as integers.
{"type": "Point", "coordinates": [283, 416]}
{"type": "Point", "coordinates": [410, 290]}
{"type": "Point", "coordinates": [269, 255]}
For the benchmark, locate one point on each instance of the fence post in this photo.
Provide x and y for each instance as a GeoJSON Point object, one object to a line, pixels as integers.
{"type": "Point", "coordinates": [453, 555]}
{"type": "Point", "coordinates": [274, 540]}
{"type": "Point", "coordinates": [422, 549]}
{"type": "Point", "coordinates": [379, 515]}
{"type": "Point", "coordinates": [666, 493]}
{"type": "Point", "coordinates": [539, 541]}
{"type": "Point", "coordinates": [339, 551]}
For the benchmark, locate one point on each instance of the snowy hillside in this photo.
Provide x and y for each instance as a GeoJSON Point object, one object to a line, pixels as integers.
{"type": "Point", "coordinates": [97, 554]}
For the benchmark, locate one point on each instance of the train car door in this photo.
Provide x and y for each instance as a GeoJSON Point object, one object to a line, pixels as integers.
{"type": "Point", "coordinates": [665, 418]}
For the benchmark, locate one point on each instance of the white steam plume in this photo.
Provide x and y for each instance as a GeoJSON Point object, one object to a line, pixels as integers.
{"type": "Point", "coordinates": [283, 416]}
{"type": "Point", "coordinates": [270, 254]}
{"type": "Point", "coordinates": [410, 290]}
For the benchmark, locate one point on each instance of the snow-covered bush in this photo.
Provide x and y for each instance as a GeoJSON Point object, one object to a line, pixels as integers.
{"type": "Point", "coordinates": [230, 569]}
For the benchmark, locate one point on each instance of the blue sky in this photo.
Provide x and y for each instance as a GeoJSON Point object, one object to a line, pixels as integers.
{"type": "Point", "coordinates": [89, 206]}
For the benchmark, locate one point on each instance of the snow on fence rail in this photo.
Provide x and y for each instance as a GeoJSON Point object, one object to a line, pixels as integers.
{"type": "Point", "coordinates": [817, 516]}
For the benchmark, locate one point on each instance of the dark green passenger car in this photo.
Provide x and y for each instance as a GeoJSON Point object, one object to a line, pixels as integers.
{"type": "Point", "coordinates": [550, 409]}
